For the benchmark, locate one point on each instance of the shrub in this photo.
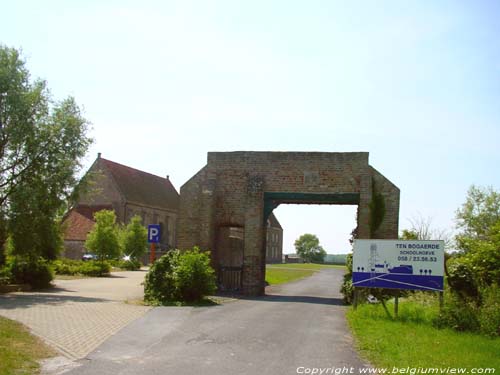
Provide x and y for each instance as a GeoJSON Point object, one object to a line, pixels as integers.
{"type": "Point", "coordinates": [95, 268]}
{"type": "Point", "coordinates": [66, 266]}
{"type": "Point", "coordinates": [461, 278]}
{"type": "Point", "coordinates": [78, 267]}
{"type": "Point", "coordinates": [180, 277]}
{"type": "Point", "coordinates": [129, 265]}
{"type": "Point", "coordinates": [194, 278]}
{"type": "Point", "coordinates": [459, 314]}
{"type": "Point", "coordinates": [347, 289]}
{"type": "Point", "coordinates": [37, 273]}
{"type": "Point", "coordinates": [489, 314]}
{"type": "Point", "coordinates": [159, 285]}
{"type": "Point", "coordinates": [5, 276]}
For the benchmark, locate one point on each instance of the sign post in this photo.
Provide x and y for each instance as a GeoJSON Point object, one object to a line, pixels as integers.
{"type": "Point", "coordinates": [153, 238]}
{"type": "Point", "coordinates": [398, 264]}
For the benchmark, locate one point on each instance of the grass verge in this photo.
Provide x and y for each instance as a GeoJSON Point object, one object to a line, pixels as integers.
{"type": "Point", "coordinates": [412, 341]}
{"type": "Point", "coordinates": [19, 350]}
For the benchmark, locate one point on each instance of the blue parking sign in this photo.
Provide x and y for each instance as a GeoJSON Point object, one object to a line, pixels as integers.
{"type": "Point", "coordinates": [153, 233]}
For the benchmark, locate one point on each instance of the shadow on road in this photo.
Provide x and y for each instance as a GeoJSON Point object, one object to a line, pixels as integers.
{"type": "Point", "coordinates": [298, 299]}
{"type": "Point", "coordinates": [23, 301]}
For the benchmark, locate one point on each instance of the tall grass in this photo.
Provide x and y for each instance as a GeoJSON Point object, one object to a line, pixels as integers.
{"type": "Point", "coordinates": [19, 350]}
{"type": "Point", "coordinates": [411, 339]}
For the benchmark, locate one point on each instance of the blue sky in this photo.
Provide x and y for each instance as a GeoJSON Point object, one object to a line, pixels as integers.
{"type": "Point", "coordinates": [415, 83]}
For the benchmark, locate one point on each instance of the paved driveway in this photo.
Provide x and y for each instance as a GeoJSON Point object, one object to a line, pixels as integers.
{"type": "Point", "coordinates": [78, 315]}
{"type": "Point", "coordinates": [296, 327]}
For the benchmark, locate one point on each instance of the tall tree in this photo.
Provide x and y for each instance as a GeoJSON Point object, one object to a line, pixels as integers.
{"type": "Point", "coordinates": [308, 247]}
{"type": "Point", "coordinates": [479, 239]}
{"type": "Point", "coordinates": [479, 213]}
{"type": "Point", "coordinates": [103, 239]}
{"type": "Point", "coordinates": [41, 145]}
{"type": "Point", "coordinates": [423, 229]}
{"type": "Point", "coordinates": [135, 238]}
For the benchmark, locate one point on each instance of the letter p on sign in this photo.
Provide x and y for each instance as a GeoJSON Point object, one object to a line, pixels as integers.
{"type": "Point", "coordinates": [153, 233]}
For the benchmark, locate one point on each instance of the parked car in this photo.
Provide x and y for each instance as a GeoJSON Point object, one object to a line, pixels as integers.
{"type": "Point", "coordinates": [89, 257]}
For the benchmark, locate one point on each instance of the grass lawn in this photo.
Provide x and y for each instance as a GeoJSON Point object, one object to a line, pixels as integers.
{"type": "Point", "coordinates": [284, 273]}
{"type": "Point", "coordinates": [19, 350]}
{"type": "Point", "coordinates": [304, 266]}
{"type": "Point", "coordinates": [412, 341]}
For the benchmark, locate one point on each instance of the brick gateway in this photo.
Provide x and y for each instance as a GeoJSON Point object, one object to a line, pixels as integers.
{"type": "Point", "coordinates": [224, 207]}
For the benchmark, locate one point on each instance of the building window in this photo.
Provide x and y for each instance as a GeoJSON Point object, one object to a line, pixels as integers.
{"type": "Point", "coordinates": [166, 232]}
{"type": "Point", "coordinates": [162, 232]}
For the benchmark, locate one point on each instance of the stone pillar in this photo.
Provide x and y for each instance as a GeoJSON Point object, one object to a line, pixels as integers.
{"type": "Point", "coordinates": [365, 197]}
{"type": "Point", "coordinates": [253, 254]}
{"type": "Point", "coordinates": [207, 213]}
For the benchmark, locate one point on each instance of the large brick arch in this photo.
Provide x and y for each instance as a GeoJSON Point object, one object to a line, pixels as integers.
{"type": "Point", "coordinates": [236, 191]}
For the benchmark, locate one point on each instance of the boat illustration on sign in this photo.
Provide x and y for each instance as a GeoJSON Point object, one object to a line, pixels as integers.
{"type": "Point", "coordinates": [398, 265]}
{"type": "Point", "coordinates": [404, 268]}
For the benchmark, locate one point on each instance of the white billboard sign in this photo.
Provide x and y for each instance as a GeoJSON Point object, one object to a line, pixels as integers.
{"type": "Point", "coordinates": [398, 264]}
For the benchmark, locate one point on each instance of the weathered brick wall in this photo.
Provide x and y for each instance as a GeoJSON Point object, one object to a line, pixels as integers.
{"type": "Point", "coordinates": [274, 245]}
{"type": "Point", "coordinates": [154, 215]}
{"type": "Point", "coordinates": [73, 249]}
{"type": "Point", "coordinates": [389, 227]}
{"type": "Point", "coordinates": [230, 243]}
{"type": "Point", "coordinates": [189, 220]}
{"type": "Point", "coordinates": [229, 191]}
{"type": "Point", "coordinates": [101, 190]}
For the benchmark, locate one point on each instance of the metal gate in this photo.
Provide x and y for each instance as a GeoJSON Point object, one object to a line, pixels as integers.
{"type": "Point", "coordinates": [230, 278]}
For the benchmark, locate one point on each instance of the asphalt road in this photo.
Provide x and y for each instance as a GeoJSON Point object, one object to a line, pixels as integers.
{"type": "Point", "coordinates": [296, 327]}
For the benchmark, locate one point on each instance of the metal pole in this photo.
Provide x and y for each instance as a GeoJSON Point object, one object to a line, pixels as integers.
{"type": "Point", "coordinates": [441, 301]}
{"type": "Point", "coordinates": [152, 255]}
{"type": "Point", "coordinates": [396, 306]}
{"type": "Point", "coordinates": [355, 298]}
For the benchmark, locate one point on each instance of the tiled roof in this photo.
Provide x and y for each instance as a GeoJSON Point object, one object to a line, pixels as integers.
{"type": "Point", "coordinates": [79, 221]}
{"type": "Point", "coordinates": [89, 211]}
{"type": "Point", "coordinates": [274, 221]}
{"type": "Point", "coordinates": [141, 187]}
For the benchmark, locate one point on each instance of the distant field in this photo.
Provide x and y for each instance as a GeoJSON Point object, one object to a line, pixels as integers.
{"type": "Point", "coordinates": [284, 273]}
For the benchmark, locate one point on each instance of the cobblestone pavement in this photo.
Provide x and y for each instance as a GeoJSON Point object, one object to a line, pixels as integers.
{"type": "Point", "coordinates": [78, 315]}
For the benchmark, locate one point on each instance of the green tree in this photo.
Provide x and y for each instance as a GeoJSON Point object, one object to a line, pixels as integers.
{"type": "Point", "coordinates": [477, 265]}
{"type": "Point", "coordinates": [41, 145]}
{"type": "Point", "coordinates": [103, 239]}
{"type": "Point", "coordinates": [308, 247]}
{"type": "Point", "coordinates": [408, 234]}
{"type": "Point", "coordinates": [135, 238]}
{"type": "Point", "coordinates": [479, 213]}
{"type": "Point", "coordinates": [33, 224]}
{"type": "Point", "coordinates": [474, 272]}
